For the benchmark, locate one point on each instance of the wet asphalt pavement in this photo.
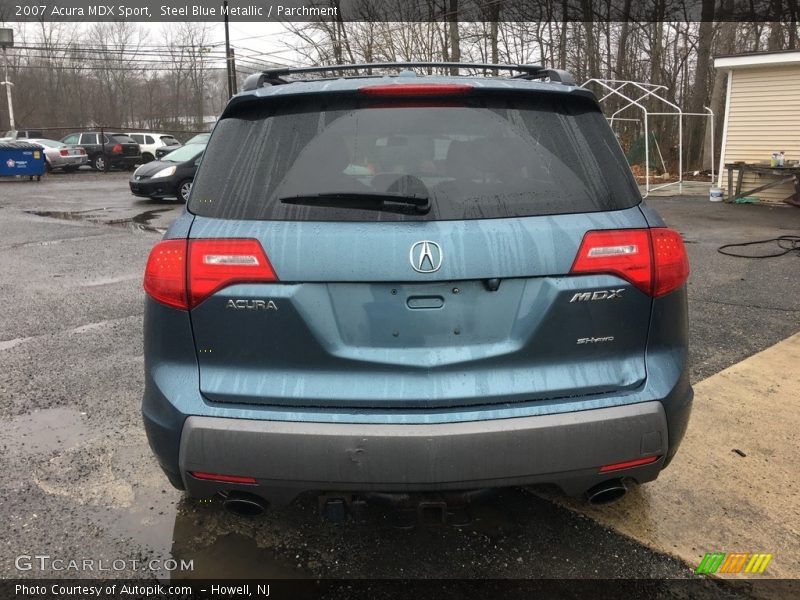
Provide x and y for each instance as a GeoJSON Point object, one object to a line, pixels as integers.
{"type": "Point", "coordinates": [80, 481]}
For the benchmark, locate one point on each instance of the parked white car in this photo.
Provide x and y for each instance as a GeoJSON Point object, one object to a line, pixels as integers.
{"type": "Point", "coordinates": [148, 142]}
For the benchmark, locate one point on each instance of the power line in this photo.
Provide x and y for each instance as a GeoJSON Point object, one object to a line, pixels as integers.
{"type": "Point", "coordinates": [137, 56]}
{"type": "Point", "coordinates": [95, 69]}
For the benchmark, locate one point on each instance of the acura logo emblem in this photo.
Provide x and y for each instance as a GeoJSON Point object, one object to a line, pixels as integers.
{"type": "Point", "coordinates": [426, 257]}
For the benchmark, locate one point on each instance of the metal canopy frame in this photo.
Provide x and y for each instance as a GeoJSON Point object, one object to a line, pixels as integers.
{"type": "Point", "coordinates": [635, 94]}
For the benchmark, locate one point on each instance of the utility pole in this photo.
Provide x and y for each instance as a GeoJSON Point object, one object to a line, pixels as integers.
{"type": "Point", "coordinates": [7, 41]}
{"type": "Point", "coordinates": [227, 49]}
{"type": "Point", "coordinates": [232, 87]}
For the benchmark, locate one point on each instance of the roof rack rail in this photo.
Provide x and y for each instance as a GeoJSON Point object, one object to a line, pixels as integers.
{"type": "Point", "coordinates": [275, 76]}
{"type": "Point", "coordinates": [555, 75]}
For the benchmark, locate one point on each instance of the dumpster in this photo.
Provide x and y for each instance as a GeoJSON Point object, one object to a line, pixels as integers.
{"type": "Point", "coordinates": [21, 158]}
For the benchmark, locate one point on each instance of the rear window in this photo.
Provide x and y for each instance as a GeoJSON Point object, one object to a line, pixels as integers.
{"type": "Point", "coordinates": [483, 158]}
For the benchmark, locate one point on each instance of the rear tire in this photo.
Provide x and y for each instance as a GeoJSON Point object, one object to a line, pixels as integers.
{"type": "Point", "coordinates": [70, 169]}
{"type": "Point", "coordinates": [99, 162]}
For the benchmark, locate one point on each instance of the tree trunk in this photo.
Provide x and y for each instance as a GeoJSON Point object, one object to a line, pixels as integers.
{"type": "Point", "coordinates": [455, 42]}
{"type": "Point", "coordinates": [562, 42]}
{"type": "Point", "coordinates": [726, 44]}
{"type": "Point", "coordinates": [699, 95]}
{"type": "Point", "coordinates": [592, 51]}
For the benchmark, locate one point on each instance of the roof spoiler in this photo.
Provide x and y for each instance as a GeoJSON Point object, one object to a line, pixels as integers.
{"type": "Point", "coordinates": [277, 76]}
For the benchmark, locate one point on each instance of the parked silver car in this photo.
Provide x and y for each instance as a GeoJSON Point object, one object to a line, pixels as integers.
{"type": "Point", "coordinates": [61, 156]}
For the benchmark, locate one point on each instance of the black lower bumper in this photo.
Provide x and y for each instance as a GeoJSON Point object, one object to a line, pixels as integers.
{"type": "Point", "coordinates": [153, 188]}
{"type": "Point", "coordinates": [563, 449]}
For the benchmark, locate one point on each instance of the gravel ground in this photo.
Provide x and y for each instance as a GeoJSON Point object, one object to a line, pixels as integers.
{"type": "Point", "coordinates": [80, 479]}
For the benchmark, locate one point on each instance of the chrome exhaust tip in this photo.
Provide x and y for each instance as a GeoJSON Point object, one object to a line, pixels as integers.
{"type": "Point", "coordinates": [243, 504]}
{"type": "Point", "coordinates": [606, 492]}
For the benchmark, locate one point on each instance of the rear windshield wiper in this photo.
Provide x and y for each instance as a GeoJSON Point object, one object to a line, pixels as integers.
{"type": "Point", "coordinates": [385, 201]}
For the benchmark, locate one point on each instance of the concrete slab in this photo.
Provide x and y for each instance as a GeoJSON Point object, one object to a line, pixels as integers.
{"type": "Point", "coordinates": [712, 498]}
{"type": "Point", "coordinates": [686, 188]}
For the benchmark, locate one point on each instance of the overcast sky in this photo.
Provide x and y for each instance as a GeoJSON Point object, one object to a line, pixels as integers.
{"type": "Point", "coordinates": [250, 39]}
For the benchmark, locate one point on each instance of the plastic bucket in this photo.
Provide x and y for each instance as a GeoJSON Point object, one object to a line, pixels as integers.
{"type": "Point", "coordinates": [715, 195]}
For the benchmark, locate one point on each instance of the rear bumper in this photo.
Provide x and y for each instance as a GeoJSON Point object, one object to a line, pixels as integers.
{"type": "Point", "coordinates": [68, 161]}
{"type": "Point", "coordinates": [287, 458]}
{"type": "Point", "coordinates": [127, 161]}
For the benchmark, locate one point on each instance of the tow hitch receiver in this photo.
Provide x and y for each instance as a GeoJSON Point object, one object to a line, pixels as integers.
{"type": "Point", "coordinates": [334, 508]}
{"type": "Point", "coordinates": [404, 511]}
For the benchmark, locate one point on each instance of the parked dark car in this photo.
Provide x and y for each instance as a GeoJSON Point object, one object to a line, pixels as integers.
{"type": "Point", "coordinates": [200, 138]}
{"type": "Point", "coordinates": [397, 284]}
{"type": "Point", "coordinates": [170, 177]}
{"type": "Point", "coordinates": [106, 150]}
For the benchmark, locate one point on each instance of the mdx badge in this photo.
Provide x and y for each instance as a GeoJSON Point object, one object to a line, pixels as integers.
{"type": "Point", "coordinates": [426, 257]}
{"type": "Point", "coordinates": [598, 295]}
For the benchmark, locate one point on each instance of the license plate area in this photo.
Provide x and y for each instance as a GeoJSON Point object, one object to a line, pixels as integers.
{"type": "Point", "coordinates": [425, 315]}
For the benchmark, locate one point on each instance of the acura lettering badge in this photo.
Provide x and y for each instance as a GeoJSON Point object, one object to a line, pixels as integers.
{"type": "Point", "coordinates": [426, 257]}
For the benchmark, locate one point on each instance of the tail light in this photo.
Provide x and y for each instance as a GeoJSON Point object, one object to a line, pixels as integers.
{"type": "Point", "coordinates": [64, 152]}
{"type": "Point", "coordinates": [181, 273]}
{"type": "Point", "coordinates": [670, 260]}
{"type": "Point", "coordinates": [117, 149]}
{"type": "Point", "coordinates": [653, 260]}
{"type": "Point", "coordinates": [165, 273]}
{"type": "Point", "coordinates": [215, 264]}
{"type": "Point", "coordinates": [81, 151]}
{"type": "Point", "coordinates": [416, 90]}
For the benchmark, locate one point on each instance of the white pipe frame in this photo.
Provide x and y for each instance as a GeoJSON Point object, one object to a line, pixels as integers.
{"type": "Point", "coordinates": [643, 92]}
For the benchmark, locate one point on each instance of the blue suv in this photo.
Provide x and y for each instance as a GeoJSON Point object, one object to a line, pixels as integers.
{"type": "Point", "coordinates": [400, 282]}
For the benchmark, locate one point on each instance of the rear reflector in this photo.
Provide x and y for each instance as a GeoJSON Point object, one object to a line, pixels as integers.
{"type": "Point", "coordinates": [223, 478]}
{"type": "Point", "coordinates": [182, 273]}
{"type": "Point", "coordinates": [416, 90]}
{"type": "Point", "coordinates": [653, 260]}
{"type": "Point", "coordinates": [629, 464]}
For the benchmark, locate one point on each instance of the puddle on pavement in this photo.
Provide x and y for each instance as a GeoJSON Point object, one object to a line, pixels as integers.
{"type": "Point", "coordinates": [138, 222]}
{"type": "Point", "coordinates": [45, 430]}
{"type": "Point", "coordinates": [232, 556]}
{"type": "Point", "coordinates": [166, 525]}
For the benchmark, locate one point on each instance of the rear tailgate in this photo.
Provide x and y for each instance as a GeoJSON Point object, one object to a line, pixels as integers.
{"type": "Point", "coordinates": [471, 303]}
{"type": "Point", "coordinates": [354, 325]}
{"type": "Point", "coordinates": [129, 146]}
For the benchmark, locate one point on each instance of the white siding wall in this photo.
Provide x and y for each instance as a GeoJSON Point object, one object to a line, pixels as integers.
{"type": "Point", "coordinates": [764, 117]}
